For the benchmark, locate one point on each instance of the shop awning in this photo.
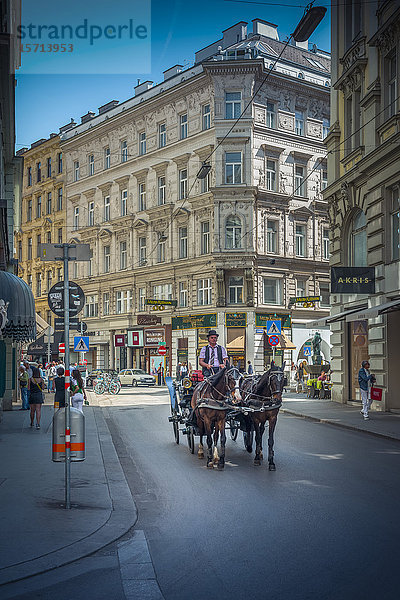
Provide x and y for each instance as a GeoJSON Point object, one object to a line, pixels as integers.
{"type": "Point", "coordinates": [17, 308]}
{"type": "Point", "coordinates": [236, 344]}
{"type": "Point", "coordinates": [317, 323]}
{"type": "Point", "coordinates": [41, 326]}
{"type": "Point", "coordinates": [285, 343]}
{"type": "Point", "coordinates": [343, 315]}
{"type": "Point", "coordinates": [374, 311]}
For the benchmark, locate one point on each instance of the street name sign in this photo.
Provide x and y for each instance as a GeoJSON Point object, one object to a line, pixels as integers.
{"type": "Point", "coordinates": [56, 252]}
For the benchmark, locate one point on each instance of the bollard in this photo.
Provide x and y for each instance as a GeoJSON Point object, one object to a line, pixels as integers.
{"type": "Point", "coordinates": [77, 435]}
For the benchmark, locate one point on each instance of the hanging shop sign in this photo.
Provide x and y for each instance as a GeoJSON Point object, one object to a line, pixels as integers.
{"type": "Point", "coordinates": [154, 337]}
{"type": "Point", "coordinates": [261, 319]}
{"type": "Point", "coordinates": [236, 319]}
{"type": "Point", "coordinates": [352, 280]}
{"type": "Point", "coordinates": [119, 340]}
{"type": "Point", "coordinates": [195, 321]}
{"type": "Point", "coordinates": [135, 338]}
{"type": "Point", "coordinates": [156, 302]}
{"type": "Point", "coordinates": [306, 301]}
{"type": "Point", "coordinates": [148, 320]}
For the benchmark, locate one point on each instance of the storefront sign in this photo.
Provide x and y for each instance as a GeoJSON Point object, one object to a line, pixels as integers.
{"type": "Point", "coordinates": [306, 301]}
{"type": "Point", "coordinates": [135, 338]}
{"type": "Point", "coordinates": [156, 302]}
{"type": "Point", "coordinates": [148, 320]}
{"type": "Point", "coordinates": [352, 280]}
{"type": "Point", "coordinates": [194, 321]}
{"type": "Point", "coordinates": [154, 337]}
{"type": "Point", "coordinates": [261, 320]}
{"type": "Point", "coordinates": [119, 340]}
{"type": "Point", "coordinates": [236, 319]}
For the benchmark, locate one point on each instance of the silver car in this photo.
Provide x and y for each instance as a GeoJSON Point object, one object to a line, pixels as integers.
{"type": "Point", "coordinates": [136, 377]}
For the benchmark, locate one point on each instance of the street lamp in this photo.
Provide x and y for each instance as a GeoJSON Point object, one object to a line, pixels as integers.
{"type": "Point", "coordinates": [308, 23]}
{"type": "Point", "coordinates": [204, 170]}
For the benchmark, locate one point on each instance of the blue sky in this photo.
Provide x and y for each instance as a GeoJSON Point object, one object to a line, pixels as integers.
{"type": "Point", "coordinates": [45, 102]}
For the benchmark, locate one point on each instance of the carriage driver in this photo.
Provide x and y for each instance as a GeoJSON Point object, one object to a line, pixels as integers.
{"type": "Point", "coordinates": [213, 356]}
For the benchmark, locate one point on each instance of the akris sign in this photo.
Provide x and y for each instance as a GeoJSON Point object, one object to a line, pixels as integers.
{"type": "Point", "coordinates": [352, 280]}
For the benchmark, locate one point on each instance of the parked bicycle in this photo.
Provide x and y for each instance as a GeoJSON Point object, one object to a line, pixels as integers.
{"type": "Point", "coordinates": [107, 383]}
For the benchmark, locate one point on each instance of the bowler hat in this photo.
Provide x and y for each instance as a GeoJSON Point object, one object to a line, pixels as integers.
{"type": "Point", "coordinates": [212, 332]}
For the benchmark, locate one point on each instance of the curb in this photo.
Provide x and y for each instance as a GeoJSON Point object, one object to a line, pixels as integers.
{"type": "Point", "coordinates": [341, 424]}
{"type": "Point", "coordinates": [121, 518]}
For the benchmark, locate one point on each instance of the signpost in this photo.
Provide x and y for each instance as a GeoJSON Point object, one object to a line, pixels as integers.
{"type": "Point", "coordinates": [273, 341]}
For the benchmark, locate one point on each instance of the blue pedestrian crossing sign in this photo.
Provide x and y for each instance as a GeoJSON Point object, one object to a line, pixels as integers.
{"type": "Point", "coordinates": [307, 351]}
{"type": "Point", "coordinates": [274, 327]}
{"type": "Point", "coordinates": [81, 343]}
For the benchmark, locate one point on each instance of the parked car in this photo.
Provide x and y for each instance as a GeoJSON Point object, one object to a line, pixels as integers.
{"type": "Point", "coordinates": [97, 373]}
{"type": "Point", "coordinates": [136, 377]}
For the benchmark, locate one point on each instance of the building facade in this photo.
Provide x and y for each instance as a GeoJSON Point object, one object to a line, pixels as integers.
{"type": "Point", "coordinates": [363, 193]}
{"type": "Point", "coordinates": [231, 250]}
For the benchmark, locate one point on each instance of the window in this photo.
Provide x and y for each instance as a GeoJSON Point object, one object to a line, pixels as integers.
{"type": "Point", "coordinates": [271, 115]}
{"type": "Point", "coordinates": [59, 198]}
{"type": "Point", "coordinates": [205, 237]}
{"type": "Point", "coordinates": [325, 127]}
{"type": "Point", "coordinates": [299, 122]}
{"type": "Point", "coordinates": [48, 238]}
{"type": "Point", "coordinates": [59, 274]}
{"type": "Point", "coordinates": [391, 66]}
{"type": "Point", "coordinates": [59, 236]}
{"type": "Point", "coordinates": [325, 243]}
{"type": "Point", "coordinates": [324, 177]}
{"type": "Point", "coordinates": [38, 172]}
{"type": "Point", "coordinates": [59, 162]}
{"type": "Point", "coordinates": [29, 248]}
{"type": "Point", "coordinates": [183, 126]}
{"type": "Point", "coordinates": [271, 236]}
{"type": "Point", "coordinates": [120, 302]}
{"type": "Point", "coordinates": [74, 269]}
{"type": "Point", "coordinates": [161, 190]}
{"type": "Point", "coordinates": [91, 164]}
{"type": "Point", "coordinates": [233, 105]}
{"type": "Point", "coordinates": [142, 143]}
{"type": "Point", "coordinates": [29, 175]}
{"type": "Point", "coordinates": [183, 294]}
{"type": "Point", "coordinates": [38, 242]}
{"type": "Point", "coordinates": [358, 240]}
{"type": "Point", "coordinates": [206, 116]}
{"type": "Point", "coordinates": [124, 200]}
{"type": "Point", "coordinates": [49, 280]}
{"type": "Point", "coordinates": [142, 297]}
{"type": "Point", "coordinates": [29, 211]}
{"type": "Point", "coordinates": [106, 303]}
{"type": "Point", "coordinates": [38, 284]}
{"type": "Point", "coordinates": [163, 291]}
{"type": "Point", "coordinates": [20, 251]}
{"type": "Point", "coordinates": [106, 257]}
{"type": "Point", "coordinates": [30, 282]}
{"type": "Point", "coordinates": [90, 214]}
{"type": "Point", "coordinates": [395, 218]}
{"type": "Point", "coordinates": [142, 251]}
{"type": "Point", "coordinates": [107, 158]}
{"type": "Point", "coordinates": [233, 167]}
{"type": "Point", "coordinates": [92, 306]}
{"type": "Point", "coordinates": [49, 203]}
{"type": "Point", "coordinates": [90, 264]}
{"type": "Point", "coordinates": [142, 196]}
{"type": "Point", "coordinates": [300, 240]}
{"type": "Point", "coordinates": [324, 293]}
{"type": "Point", "coordinates": [301, 287]}
{"type": "Point", "coordinates": [106, 208]}
{"type": "Point", "coordinates": [270, 179]}
{"type": "Point", "coordinates": [183, 183]}
{"type": "Point", "coordinates": [235, 290]}
{"type": "Point", "coordinates": [273, 290]}
{"type": "Point", "coordinates": [49, 167]}
{"type": "Point", "coordinates": [124, 151]}
{"type": "Point", "coordinates": [162, 135]}
{"type": "Point", "coordinates": [183, 242]}
{"type": "Point", "coordinates": [161, 248]}
{"type": "Point", "coordinates": [76, 218]}
{"type": "Point", "coordinates": [299, 183]}
{"type": "Point", "coordinates": [76, 170]}
{"type": "Point", "coordinates": [123, 255]}
{"type": "Point", "coordinates": [39, 207]}
{"type": "Point", "coordinates": [205, 183]}
{"type": "Point", "coordinates": [233, 233]}
{"type": "Point", "coordinates": [203, 291]}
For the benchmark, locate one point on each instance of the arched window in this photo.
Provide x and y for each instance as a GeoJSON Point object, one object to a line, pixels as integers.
{"type": "Point", "coordinates": [233, 233]}
{"type": "Point", "coordinates": [358, 240]}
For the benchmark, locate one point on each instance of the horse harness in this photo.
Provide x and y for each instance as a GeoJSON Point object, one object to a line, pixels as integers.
{"type": "Point", "coordinates": [263, 403]}
{"type": "Point", "coordinates": [222, 404]}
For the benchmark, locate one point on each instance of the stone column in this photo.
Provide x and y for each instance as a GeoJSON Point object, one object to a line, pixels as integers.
{"type": "Point", "coordinates": [112, 350]}
{"type": "Point", "coordinates": [129, 357]}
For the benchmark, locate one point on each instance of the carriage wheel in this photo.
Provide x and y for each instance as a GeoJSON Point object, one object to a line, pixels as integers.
{"type": "Point", "coordinates": [234, 429]}
{"type": "Point", "coordinates": [175, 424]}
{"type": "Point", "coordinates": [248, 439]}
{"type": "Point", "coordinates": [190, 439]}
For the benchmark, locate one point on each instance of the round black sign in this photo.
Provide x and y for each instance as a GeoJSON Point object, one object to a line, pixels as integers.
{"type": "Point", "coordinates": [55, 299]}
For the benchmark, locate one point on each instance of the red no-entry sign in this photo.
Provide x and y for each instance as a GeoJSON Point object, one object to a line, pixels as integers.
{"type": "Point", "coordinates": [273, 340]}
{"type": "Point", "coordinates": [162, 350]}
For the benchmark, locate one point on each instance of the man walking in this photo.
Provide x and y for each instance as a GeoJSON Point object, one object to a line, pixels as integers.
{"type": "Point", "coordinates": [365, 381]}
{"type": "Point", "coordinates": [250, 369]}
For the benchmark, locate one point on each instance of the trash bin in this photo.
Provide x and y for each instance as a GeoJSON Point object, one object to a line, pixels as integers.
{"type": "Point", "coordinates": [77, 424]}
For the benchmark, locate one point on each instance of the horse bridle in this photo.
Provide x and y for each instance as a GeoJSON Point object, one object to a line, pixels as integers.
{"type": "Point", "coordinates": [226, 377]}
{"type": "Point", "coordinates": [278, 374]}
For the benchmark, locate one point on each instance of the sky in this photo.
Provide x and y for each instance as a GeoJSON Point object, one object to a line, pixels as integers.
{"type": "Point", "coordinates": [139, 39]}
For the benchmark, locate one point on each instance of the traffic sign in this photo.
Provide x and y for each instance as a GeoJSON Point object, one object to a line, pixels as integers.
{"type": "Point", "coordinates": [73, 324]}
{"type": "Point", "coordinates": [61, 348]}
{"type": "Point", "coordinates": [81, 343]}
{"type": "Point", "coordinates": [55, 299]}
{"type": "Point", "coordinates": [162, 350]}
{"type": "Point", "coordinates": [273, 340]}
{"type": "Point", "coordinates": [307, 351]}
{"type": "Point", "coordinates": [274, 327]}
{"type": "Point", "coordinates": [56, 252]}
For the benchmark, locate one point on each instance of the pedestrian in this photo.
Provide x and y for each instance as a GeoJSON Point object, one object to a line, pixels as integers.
{"type": "Point", "coordinates": [36, 386]}
{"type": "Point", "coordinates": [213, 356]}
{"type": "Point", "coordinates": [59, 383]}
{"type": "Point", "coordinates": [184, 370]}
{"type": "Point", "coordinates": [23, 379]}
{"type": "Point", "coordinates": [365, 381]}
{"type": "Point", "coordinates": [250, 369]}
{"type": "Point", "coordinates": [300, 378]}
{"type": "Point", "coordinates": [51, 375]}
{"type": "Point", "coordinates": [77, 390]}
{"type": "Point", "coordinates": [28, 368]}
{"type": "Point", "coordinates": [178, 371]}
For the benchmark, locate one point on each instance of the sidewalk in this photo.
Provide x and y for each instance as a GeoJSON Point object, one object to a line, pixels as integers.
{"type": "Point", "coordinates": [386, 425]}
{"type": "Point", "coordinates": [38, 533]}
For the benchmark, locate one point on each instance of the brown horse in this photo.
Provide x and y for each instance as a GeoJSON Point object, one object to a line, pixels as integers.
{"type": "Point", "coordinates": [263, 395]}
{"type": "Point", "coordinates": [210, 402]}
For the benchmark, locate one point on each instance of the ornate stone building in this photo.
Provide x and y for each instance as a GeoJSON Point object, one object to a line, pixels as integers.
{"type": "Point", "coordinates": [363, 193]}
{"type": "Point", "coordinates": [231, 249]}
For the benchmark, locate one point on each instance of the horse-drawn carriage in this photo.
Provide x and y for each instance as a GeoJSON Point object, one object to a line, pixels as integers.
{"type": "Point", "coordinates": [226, 401]}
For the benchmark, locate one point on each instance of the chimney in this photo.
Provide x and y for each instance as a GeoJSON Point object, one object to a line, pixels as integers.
{"type": "Point", "coordinates": [303, 45]}
{"type": "Point", "coordinates": [265, 28]}
{"type": "Point", "coordinates": [68, 126]}
{"type": "Point", "coordinates": [172, 71]}
{"type": "Point", "coordinates": [142, 87]}
{"type": "Point", "coordinates": [108, 106]}
{"type": "Point", "coordinates": [88, 117]}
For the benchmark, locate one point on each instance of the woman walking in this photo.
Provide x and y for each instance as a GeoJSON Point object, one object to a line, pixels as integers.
{"type": "Point", "coordinates": [35, 395]}
{"type": "Point", "coordinates": [23, 378]}
{"type": "Point", "coordinates": [77, 390]}
{"type": "Point", "coordinates": [60, 388]}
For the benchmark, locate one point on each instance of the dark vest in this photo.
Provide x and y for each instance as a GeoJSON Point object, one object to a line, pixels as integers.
{"type": "Point", "coordinates": [219, 354]}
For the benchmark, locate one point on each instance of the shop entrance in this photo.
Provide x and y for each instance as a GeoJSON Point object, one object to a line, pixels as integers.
{"type": "Point", "coordinates": [358, 351]}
